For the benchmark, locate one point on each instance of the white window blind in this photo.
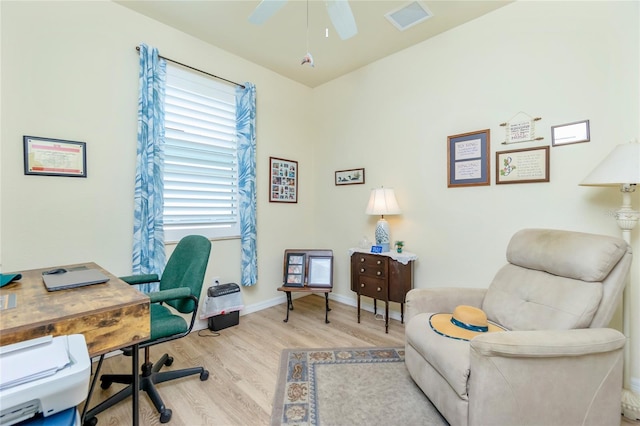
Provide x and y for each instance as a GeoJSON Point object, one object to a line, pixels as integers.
{"type": "Point", "coordinates": [201, 165]}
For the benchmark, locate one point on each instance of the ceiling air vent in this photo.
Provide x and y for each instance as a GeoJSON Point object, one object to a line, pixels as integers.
{"type": "Point", "coordinates": [409, 15]}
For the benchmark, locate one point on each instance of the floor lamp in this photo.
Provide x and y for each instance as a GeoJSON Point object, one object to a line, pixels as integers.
{"type": "Point", "coordinates": [622, 169]}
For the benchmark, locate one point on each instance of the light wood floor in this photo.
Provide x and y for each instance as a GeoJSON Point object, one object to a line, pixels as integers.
{"type": "Point", "coordinates": [243, 364]}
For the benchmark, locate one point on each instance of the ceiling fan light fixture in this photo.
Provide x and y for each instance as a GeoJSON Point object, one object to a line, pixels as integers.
{"type": "Point", "coordinates": [409, 15]}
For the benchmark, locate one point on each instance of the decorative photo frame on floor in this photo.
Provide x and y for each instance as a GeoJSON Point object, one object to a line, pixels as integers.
{"type": "Point", "coordinates": [295, 270]}
{"type": "Point", "coordinates": [54, 157]}
{"type": "Point", "coordinates": [565, 134]}
{"type": "Point", "coordinates": [320, 271]}
{"type": "Point", "coordinates": [350, 177]}
{"type": "Point", "coordinates": [523, 165]}
{"type": "Point", "coordinates": [468, 159]}
{"type": "Point", "coordinates": [283, 180]}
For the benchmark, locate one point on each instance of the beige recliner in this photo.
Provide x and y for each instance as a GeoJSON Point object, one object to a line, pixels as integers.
{"type": "Point", "coordinates": [557, 365]}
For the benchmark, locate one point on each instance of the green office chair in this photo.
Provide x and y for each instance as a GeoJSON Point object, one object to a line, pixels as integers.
{"type": "Point", "coordinates": [180, 287]}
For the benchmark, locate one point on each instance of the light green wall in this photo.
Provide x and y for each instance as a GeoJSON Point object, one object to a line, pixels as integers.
{"type": "Point", "coordinates": [69, 71]}
{"type": "Point", "coordinates": [562, 61]}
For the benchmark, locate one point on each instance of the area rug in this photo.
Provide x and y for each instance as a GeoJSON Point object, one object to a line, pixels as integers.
{"type": "Point", "coordinates": [349, 386]}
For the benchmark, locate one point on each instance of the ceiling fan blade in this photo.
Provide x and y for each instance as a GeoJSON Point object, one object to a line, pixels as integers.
{"type": "Point", "coordinates": [265, 10]}
{"type": "Point", "coordinates": [342, 18]}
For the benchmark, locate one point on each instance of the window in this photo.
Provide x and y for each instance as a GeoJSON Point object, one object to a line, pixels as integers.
{"type": "Point", "coordinates": [201, 165]}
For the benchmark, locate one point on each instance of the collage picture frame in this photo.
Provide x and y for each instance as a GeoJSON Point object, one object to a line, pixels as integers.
{"type": "Point", "coordinates": [295, 270]}
{"type": "Point", "coordinates": [283, 180]}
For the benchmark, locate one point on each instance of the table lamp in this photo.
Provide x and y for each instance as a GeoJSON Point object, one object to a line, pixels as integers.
{"type": "Point", "coordinates": [621, 168]}
{"type": "Point", "coordinates": [382, 202]}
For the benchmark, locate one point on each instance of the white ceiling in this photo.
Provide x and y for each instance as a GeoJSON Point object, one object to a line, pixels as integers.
{"type": "Point", "coordinates": [281, 42]}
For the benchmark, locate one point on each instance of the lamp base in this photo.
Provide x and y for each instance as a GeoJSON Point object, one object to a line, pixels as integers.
{"type": "Point", "coordinates": [382, 234]}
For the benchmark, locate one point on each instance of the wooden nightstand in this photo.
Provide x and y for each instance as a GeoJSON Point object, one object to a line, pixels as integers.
{"type": "Point", "coordinates": [386, 276]}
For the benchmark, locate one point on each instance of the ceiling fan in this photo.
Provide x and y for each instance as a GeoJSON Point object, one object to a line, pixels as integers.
{"type": "Point", "coordinates": [339, 13]}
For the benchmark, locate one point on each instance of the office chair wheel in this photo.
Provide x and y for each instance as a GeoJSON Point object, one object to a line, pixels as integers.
{"type": "Point", "coordinates": [169, 361]}
{"type": "Point", "coordinates": [165, 415]}
{"type": "Point", "coordinates": [204, 375]}
{"type": "Point", "coordinates": [93, 421]}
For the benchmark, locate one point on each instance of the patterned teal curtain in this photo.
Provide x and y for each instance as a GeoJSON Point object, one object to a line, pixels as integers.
{"type": "Point", "coordinates": [246, 128]}
{"type": "Point", "coordinates": [148, 235]}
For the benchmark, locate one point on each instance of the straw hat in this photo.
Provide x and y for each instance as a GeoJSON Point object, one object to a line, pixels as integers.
{"type": "Point", "coordinates": [465, 323]}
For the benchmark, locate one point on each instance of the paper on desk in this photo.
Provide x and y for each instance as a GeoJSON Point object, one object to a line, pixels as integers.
{"type": "Point", "coordinates": [32, 361]}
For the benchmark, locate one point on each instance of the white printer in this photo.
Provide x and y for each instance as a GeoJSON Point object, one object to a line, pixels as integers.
{"type": "Point", "coordinates": [45, 375]}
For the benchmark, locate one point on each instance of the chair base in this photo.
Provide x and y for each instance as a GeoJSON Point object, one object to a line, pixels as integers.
{"type": "Point", "coordinates": [149, 377]}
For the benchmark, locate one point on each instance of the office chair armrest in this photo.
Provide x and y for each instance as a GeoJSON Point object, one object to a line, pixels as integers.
{"type": "Point", "coordinates": [170, 294]}
{"type": "Point", "coordinates": [140, 279]}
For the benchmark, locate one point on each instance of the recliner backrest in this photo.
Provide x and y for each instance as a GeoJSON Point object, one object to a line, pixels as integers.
{"type": "Point", "coordinates": [558, 280]}
{"type": "Point", "coordinates": [186, 268]}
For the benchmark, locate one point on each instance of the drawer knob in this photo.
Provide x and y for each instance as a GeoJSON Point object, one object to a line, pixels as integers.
{"type": "Point", "coordinates": [378, 273]}
{"type": "Point", "coordinates": [379, 262]}
{"type": "Point", "coordinates": [362, 259]}
{"type": "Point", "coordinates": [379, 289]}
{"type": "Point", "coordinates": [361, 269]}
{"type": "Point", "coordinates": [362, 285]}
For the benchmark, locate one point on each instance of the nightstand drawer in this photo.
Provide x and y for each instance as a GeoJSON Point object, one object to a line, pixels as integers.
{"type": "Point", "coordinates": [372, 287]}
{"type": "Point", "coordinates": [370, 266]}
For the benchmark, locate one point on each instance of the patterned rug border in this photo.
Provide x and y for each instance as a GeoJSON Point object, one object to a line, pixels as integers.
{"type": "Point", "coordinates": [324, 356]}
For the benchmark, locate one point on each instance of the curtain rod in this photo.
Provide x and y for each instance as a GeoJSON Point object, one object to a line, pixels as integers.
{"type": "Point", "coordinates": [196, 69]}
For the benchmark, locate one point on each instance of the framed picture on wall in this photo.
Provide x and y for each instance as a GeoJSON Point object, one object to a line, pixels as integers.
{"type": "Point", "coordinates": [349, 177]}
{"type": "Point", "coordinates": [54, 157]}
{"type": "Point", "coordinates": [283, 180]}
{"type": "Point", "coordinates": [523, 165]}
{"type": "Point", "coordinates": [468, 159]}
{"type": "Point", "coordinates": [295, 270]}
{"type": "Point", "coordinates": [565, 134]}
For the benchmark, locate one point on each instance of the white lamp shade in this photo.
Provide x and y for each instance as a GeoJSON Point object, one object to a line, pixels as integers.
{"type": "Point", "coordinates": [621, 166]}
{"type": "Point", "coordinates": [382, 201]}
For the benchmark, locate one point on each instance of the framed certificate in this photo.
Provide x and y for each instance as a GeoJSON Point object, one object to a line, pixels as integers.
{"type": "Point", "coordinates": [54, 157]}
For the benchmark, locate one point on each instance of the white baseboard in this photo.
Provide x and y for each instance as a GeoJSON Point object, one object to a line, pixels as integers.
{"type": "Point", "coordinates": [202, 324]}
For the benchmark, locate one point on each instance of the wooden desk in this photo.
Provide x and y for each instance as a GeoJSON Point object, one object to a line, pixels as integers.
{"type": "Point", "coordinates": [111, 316]}
{"type": "Point", "coordinates": [306, 289]}
{"type": "Point", "coordinates": [306, 259]}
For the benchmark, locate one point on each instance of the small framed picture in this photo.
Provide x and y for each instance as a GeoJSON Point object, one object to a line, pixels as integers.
{"type": "Point", "coordinates": [349, 177]}
{"type": "Point", "coordinates": [565, 134]}
{"type": "Point", "coordinates": [468, 159]}
{"type": "Point", "coordinates": [523, 165]}
{"type": "Point", "coordinates": [283, 180]}
{"type": "Point", "coordinates": [320, 271]}
{"type": "Point", "coordinates": [54, 157]}
{"type": "Point", "coordinates": [294, 276]}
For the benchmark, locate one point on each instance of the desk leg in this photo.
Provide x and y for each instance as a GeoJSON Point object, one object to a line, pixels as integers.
{"type": "Point", "coordinates": [289, 305]}
{"type": "Point", "coordinates": [135, 384]}
{"type": "Point", "coordinates": [326, 312]}
{"type": "Point", "coordinates": [402, 313]}
{"type": "Point", "coordinates": [358, 307]}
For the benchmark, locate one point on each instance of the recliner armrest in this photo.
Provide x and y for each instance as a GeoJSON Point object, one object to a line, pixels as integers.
{"type": "Point", "coordinates": [548, 343]}
{"type": "Point", "coordinates": [140, 279]}
{"type": "Point", "coordinates": [546, 377]}
{"type": "Point", "coordinates": [170, 294]}
{"type": "Point", "coordinates": [445, 299]}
